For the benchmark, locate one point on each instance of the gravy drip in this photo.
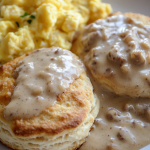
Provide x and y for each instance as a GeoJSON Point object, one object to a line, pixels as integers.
{"type": "Point", "coordinates": [118, 48]}
{"type": "Point", "coordinates": [122, 123]}
{"type": "Point", "coordinates": [40, 78]}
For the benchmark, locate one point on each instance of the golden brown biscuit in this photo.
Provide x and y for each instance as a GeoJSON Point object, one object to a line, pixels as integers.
{"type": "Point", "coordinates": [116, 50]}
{"type": "Point", "coordinates": [63, 126]}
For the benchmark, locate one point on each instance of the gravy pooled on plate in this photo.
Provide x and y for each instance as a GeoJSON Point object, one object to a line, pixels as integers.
{"type": "Point", "coordinates": [40, 78]}
{"type": "Point", "coordinates": [122, 123]}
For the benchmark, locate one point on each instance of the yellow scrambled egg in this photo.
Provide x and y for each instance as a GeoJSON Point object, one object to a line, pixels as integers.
{"type": "Point", "coordinates": [29, 24]}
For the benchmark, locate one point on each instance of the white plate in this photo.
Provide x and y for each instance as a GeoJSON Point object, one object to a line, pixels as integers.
{"type": "Point", "coordinates": [136, 6]}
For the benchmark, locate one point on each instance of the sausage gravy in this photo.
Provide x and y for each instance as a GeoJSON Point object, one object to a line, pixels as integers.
{"type": "Point", "coordinates": [116, 50]}
{"type": "Point", "coordinates": [122, 123]}
{"type": "Point", "coordinates": [40, 78]}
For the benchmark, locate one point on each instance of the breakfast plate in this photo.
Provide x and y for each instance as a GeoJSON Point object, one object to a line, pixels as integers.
{"type": "Point", "coordinates": [135, 6]}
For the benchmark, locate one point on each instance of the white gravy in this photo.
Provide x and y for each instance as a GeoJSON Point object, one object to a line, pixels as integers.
{"type": "Point", "coordinates": [117, 49]}
{"type": "Point", "coordinates": [40, 78]}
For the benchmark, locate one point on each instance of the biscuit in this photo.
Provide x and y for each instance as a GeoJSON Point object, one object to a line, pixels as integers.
{"type": "Point", "coordinates": [116, 50]}
{"type": "Point", "coordinates": [63, 126]}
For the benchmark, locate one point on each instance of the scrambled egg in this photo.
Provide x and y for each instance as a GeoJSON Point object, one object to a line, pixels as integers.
{"type": "Point", "coordinates": [29, 24]}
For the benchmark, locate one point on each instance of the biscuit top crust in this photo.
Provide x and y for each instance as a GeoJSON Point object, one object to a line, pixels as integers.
{"type": "Point", "coordinates": [70, 110]}
{"type": "Point", "coordinates": [118, 48]}
{"type": "Point", "coordinates": [40, 78]}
